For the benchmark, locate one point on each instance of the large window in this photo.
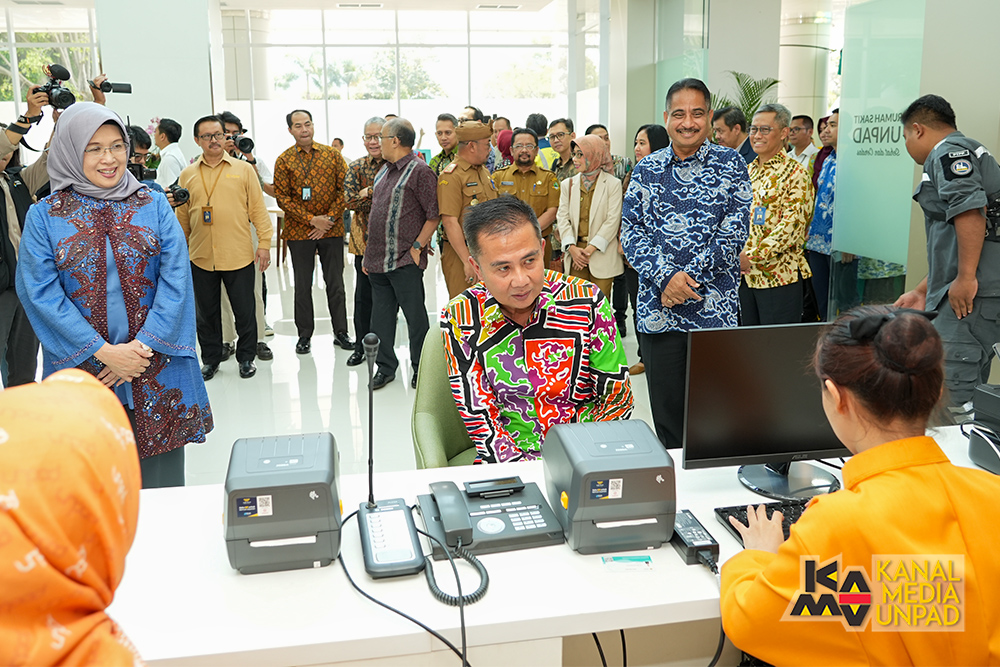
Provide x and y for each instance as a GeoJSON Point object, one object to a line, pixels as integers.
{"type": "Point", "coordinates": [347, 65]}
{"type": "Point", "coordinates": [31, 39]}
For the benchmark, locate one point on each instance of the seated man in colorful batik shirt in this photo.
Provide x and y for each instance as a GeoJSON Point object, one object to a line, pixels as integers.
{"type": "Point", "coordinates": [528, 348]}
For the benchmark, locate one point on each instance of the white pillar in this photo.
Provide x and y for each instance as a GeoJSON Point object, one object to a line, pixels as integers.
{"type": "Point", "coordinates": [804, 64]}
{"type": "Point", "coordinates": [176, 81]}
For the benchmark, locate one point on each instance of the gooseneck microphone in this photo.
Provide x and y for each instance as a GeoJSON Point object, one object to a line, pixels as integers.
{"type": "Point", "coordinates": [389, 541]}
{"type": "Point", "coordinates": [371, 342]}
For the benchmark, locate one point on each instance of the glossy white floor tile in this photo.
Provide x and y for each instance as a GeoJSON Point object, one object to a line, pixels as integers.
{"type": "Point", "coordinates": [318, 392]}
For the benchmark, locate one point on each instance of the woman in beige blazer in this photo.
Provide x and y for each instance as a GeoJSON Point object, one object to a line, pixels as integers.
{"type": "Point", "coordinates": [590, 213]}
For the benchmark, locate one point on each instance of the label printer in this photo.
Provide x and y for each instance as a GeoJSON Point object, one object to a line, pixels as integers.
{"type": "Point", "coordinates": [610, 484]}
{"type": "Point", "coordinates": [283, 510]}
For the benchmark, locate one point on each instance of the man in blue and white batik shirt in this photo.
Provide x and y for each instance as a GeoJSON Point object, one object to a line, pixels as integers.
{"type": "Point", "coordinates": [685, 220]}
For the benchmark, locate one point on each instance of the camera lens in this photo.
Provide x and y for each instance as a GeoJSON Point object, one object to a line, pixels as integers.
{"type": "Point", "coordinates": [181, 195]}
{"type": "Point", "coordinates": [244, 144]}
{"type": "Point", "coordinates": [61, 98]}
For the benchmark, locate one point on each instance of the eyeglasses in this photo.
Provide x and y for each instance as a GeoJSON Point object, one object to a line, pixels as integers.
{"type": "Point", "coordinates": [391, 136]}
{"type": "Point", "coordinates": [558, 135]}
{"type": "Point", "coordinates": [523, 147]}
{"type": "Point", "coordinates": [763, 131]}
{"type": "Point", "coordinates": [210, 137]}
{"type": "Point", "coordinates": [370, 137]}
{"type": "Point", "coordinates": [140, 158]}
{"type": "Point", "coordinates": [795, 130]}
{"type": "Point", "coordinates": [114, 149]}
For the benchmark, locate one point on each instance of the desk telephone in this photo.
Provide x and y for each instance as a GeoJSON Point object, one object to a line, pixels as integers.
{"type": "Point", "coordinates": [489, 516]}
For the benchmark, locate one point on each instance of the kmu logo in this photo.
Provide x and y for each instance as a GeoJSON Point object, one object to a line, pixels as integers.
{"type": "Point", "coordinates": [828, 594]}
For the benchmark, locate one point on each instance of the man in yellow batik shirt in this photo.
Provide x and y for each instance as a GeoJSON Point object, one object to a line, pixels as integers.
{"type": "Point", "coordinates": [773, 262]}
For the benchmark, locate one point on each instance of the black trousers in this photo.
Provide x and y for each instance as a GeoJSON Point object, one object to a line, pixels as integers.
{"type": "Point", "coordinates": [619, 298]}
{"type": "Point", "coordinates": [820, 265]}
{"type": "Point", "coordinates": [362, 303]}
{"type": "Point", "coordinates": [401, 288]}
{"type": "Point", "coordinates": [331, 260]}
{"type": "Point", "coordinates": [208, 306]}
{"type": "Point", "coordinates": [665, 356]}
{"type": "Point", "coordinates": [772, 305]}
{"type": "Point", "coordinates": [162, 470]}
{"type": "Point", "coordinates": [632, 283]}
{"type": "Point", "coordinates": [18, 343]}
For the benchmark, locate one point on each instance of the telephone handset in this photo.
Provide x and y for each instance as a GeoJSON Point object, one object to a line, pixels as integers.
{"type": "Point", "coordinates": [489, 516]}
{"type": "Point", "coordinates": [453, 512]}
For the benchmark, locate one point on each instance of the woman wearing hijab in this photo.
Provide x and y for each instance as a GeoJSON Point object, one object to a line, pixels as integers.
{"type": "Point", "coordinates": [648, 139]}
{"type": "Point", "coordinates": [504, 140]}
{"type": "Point", "coordinates": [64, 534]}
{"type": "Point", "coordinates": [590, 213]}
{"type": "Point", "coordinates": [105, 279]}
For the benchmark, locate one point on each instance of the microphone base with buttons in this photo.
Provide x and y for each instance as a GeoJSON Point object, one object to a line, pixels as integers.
{"type": "Point", "coordinates": [389, 539]}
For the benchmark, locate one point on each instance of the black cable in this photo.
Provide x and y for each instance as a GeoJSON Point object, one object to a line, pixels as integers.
{"type": "Point", "coordinates": [718, 650]}
{"type": "Point", "coordinates": [831, 465]}
{"type": "Point", "coordinates": [706, 559]}
{"type": "Point", "coordinates": [452, 600]}
{"type": "Point", "coordinates": [343, 566]}
{"type": "Point", "coordinates": [432, 584]}
{"type": "Point", "coordinates": [600, 650]}
{"type": "Point", "coordinates": [624, 650]}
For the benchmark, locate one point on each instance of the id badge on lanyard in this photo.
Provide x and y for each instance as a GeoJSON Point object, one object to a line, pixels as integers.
{"type": "Point", "coordinates": [306, 193]}
{"type": "Point", "coordinates": [206, 215]}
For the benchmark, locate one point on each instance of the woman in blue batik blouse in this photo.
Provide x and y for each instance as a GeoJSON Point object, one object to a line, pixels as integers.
{"type": "Point", "coordinates": [105, 280]}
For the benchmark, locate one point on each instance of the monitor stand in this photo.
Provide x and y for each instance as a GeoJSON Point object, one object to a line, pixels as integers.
{"type": "Point", "coordinates": [794, 480]}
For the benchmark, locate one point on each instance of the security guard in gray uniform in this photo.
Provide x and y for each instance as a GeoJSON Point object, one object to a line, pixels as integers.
{"type": "Point", "coordinates": [959, 193]}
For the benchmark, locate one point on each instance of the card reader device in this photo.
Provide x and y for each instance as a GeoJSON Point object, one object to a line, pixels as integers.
{"type": "Point", "coordinates": [283, 510]}
{"type": "Point", "coordinates": [610, 484]}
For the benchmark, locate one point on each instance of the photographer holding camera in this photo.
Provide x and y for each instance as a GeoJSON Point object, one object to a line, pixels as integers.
{"type": "Point", "coordinates": [18, 343]}
{"type": "Point", "coordinates": [140, 145]}
{"type": "Point", "coordinates": [240, 147]}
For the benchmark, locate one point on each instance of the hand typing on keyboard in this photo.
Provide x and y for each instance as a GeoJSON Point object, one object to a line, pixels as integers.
{"type": "Point", "coordinates": [760, 532]}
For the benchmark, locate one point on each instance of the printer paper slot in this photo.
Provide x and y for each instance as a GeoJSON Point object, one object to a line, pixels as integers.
{"type": "Point", "coordinates": [284, 542]}
{"type": "Point", "coordinates": [622, 524]}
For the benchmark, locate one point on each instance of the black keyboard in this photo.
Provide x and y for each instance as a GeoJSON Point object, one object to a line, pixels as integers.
{"type": "Point", "coordinates": [790, 509]}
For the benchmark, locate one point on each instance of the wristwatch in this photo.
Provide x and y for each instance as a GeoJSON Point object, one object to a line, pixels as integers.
{"type": "Point", "coordinates": [416, 245]}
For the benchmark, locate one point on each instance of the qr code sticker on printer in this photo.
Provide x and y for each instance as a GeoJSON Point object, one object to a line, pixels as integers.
{"type": "Point", "coordinates": [264, 506]}
{"type": "Point", "coordinates": [615, 489]}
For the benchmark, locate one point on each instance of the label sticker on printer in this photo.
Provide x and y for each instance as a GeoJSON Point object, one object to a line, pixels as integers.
{"type": "Point", "coordinates": [605, 489]}
{"type": "Point", "coordinates": [248, 506]}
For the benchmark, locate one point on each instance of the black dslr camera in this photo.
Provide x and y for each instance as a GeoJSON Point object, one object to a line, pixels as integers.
{"type": "Point", "coordinates": [181, 195]}
{"type": "Point", "coordinates": [244, 144]}
{"type": "Point", "coordinates": [60, 97]}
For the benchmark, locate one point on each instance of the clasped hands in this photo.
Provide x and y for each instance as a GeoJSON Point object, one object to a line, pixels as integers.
{"type": "Point", "coordinates": [581, 256]}
{"type": "Point", "coordinates": [321, 225]}
{"type": "Point", "coordinates": [122, 362]}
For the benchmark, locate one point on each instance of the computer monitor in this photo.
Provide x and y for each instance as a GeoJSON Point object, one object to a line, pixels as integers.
{"type": "Point", "coordinates": [753, 400]}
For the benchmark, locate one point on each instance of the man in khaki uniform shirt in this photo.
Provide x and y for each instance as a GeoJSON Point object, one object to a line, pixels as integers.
{"type": "Point", "coordinates": [532, 184]}
{"type": "Point", "coordinates": [463, 183]}
{"type": "Point", "coordinates": [226, 199]}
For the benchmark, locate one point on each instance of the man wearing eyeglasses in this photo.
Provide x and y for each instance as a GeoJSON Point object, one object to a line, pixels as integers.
{"type": "Point", "coordinates": [560, 136]}
{"type": "Point", "coordinates": [537, 187]}
{"type": "Point", "coordinates": [358, 191]}
{"type": "Point", "coordinates": [402, 220]}
{"type": "Point", "coordinates": [226, 199]}
{"type": "Point", "coordinates": [141, 143]}
{"type": "Point", "coordinates": [773, 262]}
{"type": "Point", "coordinates": [463, 183]}
{"type": "Point", "coordinates": [800, 141]}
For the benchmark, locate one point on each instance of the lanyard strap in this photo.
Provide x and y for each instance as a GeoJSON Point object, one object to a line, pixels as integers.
{"type": "Point", "coordinates": [306, 175]}
{"type": "Point", "coordinates": [217, 177]}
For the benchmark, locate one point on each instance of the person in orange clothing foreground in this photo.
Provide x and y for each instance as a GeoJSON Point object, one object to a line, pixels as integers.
{"type": "Point", "coordinates": [69, 504]}
{"type": "Point", "coordinates": [897, 568]}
